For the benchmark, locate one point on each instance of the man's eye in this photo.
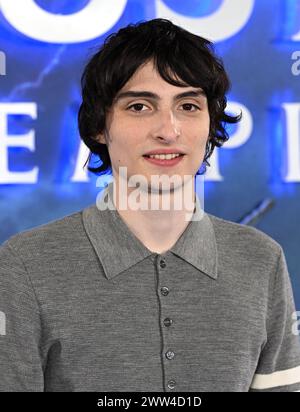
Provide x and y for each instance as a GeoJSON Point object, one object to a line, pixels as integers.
{"type": "Point", "coordinates": [137, 107]}
{"type": "Point", "coordinates": [190, 107]}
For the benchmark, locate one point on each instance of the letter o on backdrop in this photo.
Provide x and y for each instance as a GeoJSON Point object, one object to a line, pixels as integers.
{"type": "Point", "coordinates": [95, 19]}
{"type": "Point", "coordinates": [226, 21]}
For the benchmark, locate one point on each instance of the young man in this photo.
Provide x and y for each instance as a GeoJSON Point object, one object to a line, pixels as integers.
{"type": "Point", "coordinates": [144, 299]}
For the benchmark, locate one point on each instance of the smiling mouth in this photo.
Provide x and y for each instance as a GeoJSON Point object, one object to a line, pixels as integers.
{"type": "Point", "coordinates": [163, 161]}
{"type": "Point", "coordinates": [164, 157]}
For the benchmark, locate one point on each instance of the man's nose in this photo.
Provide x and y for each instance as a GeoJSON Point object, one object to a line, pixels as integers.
{"type": "Point", "coordinates": [167, 127]}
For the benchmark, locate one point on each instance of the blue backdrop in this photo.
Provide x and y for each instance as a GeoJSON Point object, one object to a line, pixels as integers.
{"type": "Point", "coordinates": [44, 46]}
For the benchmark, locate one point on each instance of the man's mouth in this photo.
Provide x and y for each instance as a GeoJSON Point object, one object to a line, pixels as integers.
{"type": "Point", "coordinates": [165, 156]}
{"type": "Point", "coordinates": [165, 159]}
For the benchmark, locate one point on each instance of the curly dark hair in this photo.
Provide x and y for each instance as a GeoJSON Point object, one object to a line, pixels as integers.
{"type": "Point", "coordinates": [180, 57]}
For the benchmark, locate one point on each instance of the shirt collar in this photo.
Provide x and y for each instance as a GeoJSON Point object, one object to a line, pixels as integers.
{"type": "Point", "coordinates": [119, 249]}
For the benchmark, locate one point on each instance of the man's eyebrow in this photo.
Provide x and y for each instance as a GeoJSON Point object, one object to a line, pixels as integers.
{"type": "Point", "coordinates": [154, 96]}
{"type": "Point", "coordinates": [191, 93]}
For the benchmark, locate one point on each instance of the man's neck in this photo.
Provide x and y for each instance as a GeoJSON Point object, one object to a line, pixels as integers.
{"type": "Point", "coordinates": [158, 227]}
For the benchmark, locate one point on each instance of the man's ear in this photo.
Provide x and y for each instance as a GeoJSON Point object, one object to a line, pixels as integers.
{"type": "Point", "coordinates": [101, 138]}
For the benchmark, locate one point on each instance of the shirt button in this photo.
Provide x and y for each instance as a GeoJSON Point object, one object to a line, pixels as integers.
{"type": "Point", "coordinates": [170, 354]}
{"type": "Point", "coordinates": [162, 263]}
{"type": "Point", "coordinates": [168, 322]}
{"type": "Point", "coordinates": [164, 291]}
{"type": "Point", "coordinates": [171, 384]}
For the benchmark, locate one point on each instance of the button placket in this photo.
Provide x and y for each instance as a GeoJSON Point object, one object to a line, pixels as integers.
{"type": "Point", "coordinates": [169, 354]}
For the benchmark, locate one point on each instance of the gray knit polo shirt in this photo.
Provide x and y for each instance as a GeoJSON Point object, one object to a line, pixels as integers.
{"type": "Point", "coordinates": [85, 306]}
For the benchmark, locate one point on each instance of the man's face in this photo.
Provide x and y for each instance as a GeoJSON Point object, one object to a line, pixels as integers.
{"type": "Point", "coordinates": [151, 114]}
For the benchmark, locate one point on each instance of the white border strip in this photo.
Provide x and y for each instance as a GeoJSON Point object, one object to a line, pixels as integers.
{"type": "Point", "coordinates": [279, 378]}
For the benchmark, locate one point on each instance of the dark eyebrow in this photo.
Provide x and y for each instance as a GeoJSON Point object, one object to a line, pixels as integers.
{"type": "Point", "coordinates": [154, 96]}
{"type": "Point", "coordinates": [190, 93]}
